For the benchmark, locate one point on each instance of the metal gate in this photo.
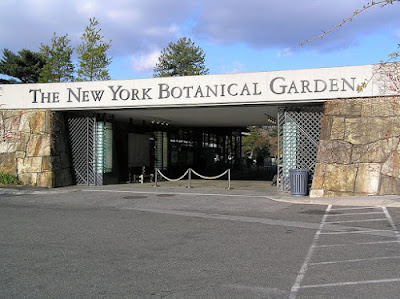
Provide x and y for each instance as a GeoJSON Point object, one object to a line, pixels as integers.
{"type": "Point", "coordinates": [86, 145]}
{"type": "Point", "coordinates": [298, 136]}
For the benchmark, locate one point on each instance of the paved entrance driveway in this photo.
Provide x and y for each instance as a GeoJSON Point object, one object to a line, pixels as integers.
{"type": "Point", "coordinates": [132, 242]}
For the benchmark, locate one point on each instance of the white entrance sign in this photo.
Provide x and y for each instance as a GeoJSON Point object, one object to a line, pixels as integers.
{"type": "Point", "coordinates": [308, 85]}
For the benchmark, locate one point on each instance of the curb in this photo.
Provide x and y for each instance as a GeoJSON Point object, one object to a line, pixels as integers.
{"type": "Point", "coordinates": [363, 201]}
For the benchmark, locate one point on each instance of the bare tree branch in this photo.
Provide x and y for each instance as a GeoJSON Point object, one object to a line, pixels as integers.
{"type": "Point", "coordinates": [356, 13]}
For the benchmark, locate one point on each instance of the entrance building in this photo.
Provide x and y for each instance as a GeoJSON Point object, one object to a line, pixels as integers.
{"type": "Point", "coordinates": [101, 132]}
{"type": "Point", "coordinates": [106, 149]}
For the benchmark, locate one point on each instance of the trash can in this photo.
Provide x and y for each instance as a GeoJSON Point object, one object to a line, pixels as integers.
{"type": "Point", "coordinates": [298, 182]}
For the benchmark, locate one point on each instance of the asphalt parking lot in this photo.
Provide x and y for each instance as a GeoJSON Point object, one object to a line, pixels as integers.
{"type": "Point", "coordinates": [125, 242]}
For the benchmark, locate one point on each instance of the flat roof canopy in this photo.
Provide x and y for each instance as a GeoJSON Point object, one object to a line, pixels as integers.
{"type": "Point", "coordinates": [232, 100]}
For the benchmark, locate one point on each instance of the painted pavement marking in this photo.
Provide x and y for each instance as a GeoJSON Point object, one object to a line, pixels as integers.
{"type": "Point", "coordinates": [355, 208]}
{"type": "Point", "coordinates": [308, 263]}
{"type": "Point", "coordinates": [358, 232]}
{"type": "Point", "coordinates": [347, 283]}
{"type": "Point", "coordinates": [390, 219]}
{"type": "Point", "coordinates": [357, 260]}
{"type": "Point", "coordinates": [355, 214]}
{"type": "Point", "coordinates": [355, 244]}
{"type": "Point", "coordinates": [300, 276]}
{"type": "Point", "coordinates": [349, 221]}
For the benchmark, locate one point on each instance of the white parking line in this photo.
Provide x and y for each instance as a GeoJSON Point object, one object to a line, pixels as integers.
{"type": "Point", "coordinates": [353, 244]}
{"type": "Point", "coordinates": [357, 260]}
{"type": "Point", "coordinates": [346, 283]}
{"type": "Point", "coordinates": [364, 220]}
{"type": "Point", "coordinates": [390, 219]}
{"type": "Point", "coordinates": [300, 276]}
{"type": "Point", "coordinates": [359, 232]}
{"type": "Point", "coordinates": [307, 263]}
{"type": "Point", "coordinates": [355, 208]}
{"type": "Point", "coordinates": [354, 214]}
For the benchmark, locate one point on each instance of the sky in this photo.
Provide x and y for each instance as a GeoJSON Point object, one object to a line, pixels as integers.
{"type": "Point", "coordinates": [237, 36]}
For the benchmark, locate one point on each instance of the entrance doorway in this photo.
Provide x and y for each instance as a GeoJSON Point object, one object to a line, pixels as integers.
{"type": "Point", "coordinates": [111, 147]}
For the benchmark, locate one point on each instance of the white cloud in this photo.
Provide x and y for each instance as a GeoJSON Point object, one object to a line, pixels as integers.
{"type": "Point", "coordinates": [145, 63]}
{"type": "Point", "coordinates": [286, 52]}
{"type": "Point", "coordinates": [281, 24]}
{"type": "Point", "coordinates": [123, 16]}
{"type": "Point", "coordinates": [87, 7]}
{"type": "Point", "coordinates": [132, 26]}
{"type": "Point", "coordinates": [161, 31]}
{"type": "Point", "coordinates": [138, 26]}
{"type": "Point", "coordinates": [234, 68]}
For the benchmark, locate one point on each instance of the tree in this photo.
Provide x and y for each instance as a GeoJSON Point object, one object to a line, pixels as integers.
{"type": "Point", "coordinates": [59, 67]}
{"type": "Point", "coordinates": [260, 143]}
{"type": "Point", "coordinates": [26, 66]}
{"type": "Point", "coordinates": [93, 59]}
{"type": "Point", "coordinates": [182, 58]}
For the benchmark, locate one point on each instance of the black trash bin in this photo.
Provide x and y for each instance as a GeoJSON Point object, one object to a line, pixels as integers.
{"type": "Point", "coordinates": [299, 182]}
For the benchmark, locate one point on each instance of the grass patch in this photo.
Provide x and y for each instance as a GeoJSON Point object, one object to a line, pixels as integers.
{"type": "Point", "coordinates": [9, 179]}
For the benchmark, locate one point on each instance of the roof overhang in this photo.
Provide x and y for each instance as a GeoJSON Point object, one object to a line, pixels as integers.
{"type": "Point", "coordinates": [213, 100]}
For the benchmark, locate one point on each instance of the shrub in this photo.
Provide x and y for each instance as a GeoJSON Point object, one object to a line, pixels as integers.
{"type": "Point", "coordinates": [8, 179]}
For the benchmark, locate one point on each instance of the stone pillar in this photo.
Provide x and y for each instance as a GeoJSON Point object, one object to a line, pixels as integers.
{"type": "Point", "coordinates": [33, 147]}
{"type": "Point", "coordinates": [359, 149]}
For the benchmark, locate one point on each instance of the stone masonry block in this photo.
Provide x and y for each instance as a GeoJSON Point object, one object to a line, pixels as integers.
{"type": "Point", "coordinates": [8, 163]}
{"type": "Point", "coordinates": [314, 193]}
{"type": "Point", "coordinates": [338, 128]}
{"type": "Point", "coordinates": [377, 152]}
{"type": "Point", "coordinates": [389, 186]}
{"type": "Point", "coordinates": [45, 179]}
{"type": "Point", "coordinates": [377, 108]}
{"type": "Point", "coordinates": [391, 167]}
{"type": "Point", "coordinates": [366, 130]}
{"type": "Point", "coordinates": [29, 165]}
{"type": "Point", "coordinates": [319, 176]}
{"type": "Point", "coordinates": [368, 178]}
{"type": "Point", "coordinates": [332, 151]}
{"type": "Point", "coordinates": [326, 128]}
{"type": "Point", "coordinates": [39, 145]}
{"type": "Point", "coordinates": [340, 177]}
{"type": "Point", "coordinates": [344, 108]}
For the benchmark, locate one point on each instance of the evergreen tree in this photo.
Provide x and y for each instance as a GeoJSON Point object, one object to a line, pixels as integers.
{"type": "Point", "coordinates": [93, 59]}
{"type": "Point", "coordinates": [182, 58]}
{"type": "Point", "coordinates": [261, 142]}
{"type": "Point", "coordinates": [59, 67]}
{"type": "Point", "coordinates": [25, 66]}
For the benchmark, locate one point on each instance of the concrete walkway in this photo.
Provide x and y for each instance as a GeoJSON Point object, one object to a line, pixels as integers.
{"type": "Point", "coordinates": [220, 187]}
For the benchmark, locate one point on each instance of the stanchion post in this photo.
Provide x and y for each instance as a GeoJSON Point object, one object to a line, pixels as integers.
{"type": "Point", "coordinates": [190, 178]}
{"type": "Point", "coordinates": [229, 178]}
{"type": "Point", "coordinates": [155, 178]}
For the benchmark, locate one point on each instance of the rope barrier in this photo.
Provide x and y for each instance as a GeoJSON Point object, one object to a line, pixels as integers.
{"type": "Point", "coordinates": [210, 177]}
{"type": "Point", "coordinates": [173, 180]}
{"type": "Point", "coordinates": [189, 172]}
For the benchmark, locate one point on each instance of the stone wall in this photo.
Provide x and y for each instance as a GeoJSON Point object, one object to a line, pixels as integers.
{"type": "Point", "coordinates": [33, 147]}
{"type": "Point", "coordinates": [359, 148]}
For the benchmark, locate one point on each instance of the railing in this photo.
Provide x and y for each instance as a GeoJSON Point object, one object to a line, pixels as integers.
{"type": "Point", "coordinates": [189, 172]}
